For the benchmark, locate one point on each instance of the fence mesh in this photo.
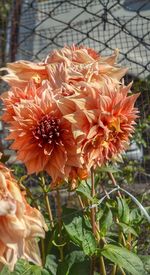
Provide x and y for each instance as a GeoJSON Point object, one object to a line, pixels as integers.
{"type": "Point", "coordinates": [30, 29]}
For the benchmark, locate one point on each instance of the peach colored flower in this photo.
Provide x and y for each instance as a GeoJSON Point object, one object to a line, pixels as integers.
{"type": "Point", "coordinates": [74, 70]}
{"type": "Point", "coordinates": [67, 70]}
{"type": "Point", "coordinates": [20, 223]}
{"type": "Point", "coordinates": [103, 131]}
{"type": "Point", "coordinates": [43, 137]}
{"type": "Point", "coordinates": [20, 72]}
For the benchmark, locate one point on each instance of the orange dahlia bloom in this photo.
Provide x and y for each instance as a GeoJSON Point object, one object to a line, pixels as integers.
{"type": "Point", "coordinates": [105, 129]}
{"type": "Point", "coordinates": [20, 223]}
{"type": "Point", "coordinates": [43, 137]}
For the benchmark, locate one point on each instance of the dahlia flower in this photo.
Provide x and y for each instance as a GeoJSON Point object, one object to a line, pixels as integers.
{"type": "Point", "coordinates": [103, 131]}
{"type": "Point", "coordinates": [68, 113]}
{"type": "Point", "coordinates": [20, 223]}
{"type": "Point", "coordinates": [43, 137]}
{"type": "Point", "coordinates": [67, 70]}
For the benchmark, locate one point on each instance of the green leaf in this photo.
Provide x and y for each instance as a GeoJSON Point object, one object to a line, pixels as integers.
{"type": "Point", "coordinates": [106, 221]}
{"type": "Point", "coordinates": [75, 263]}
{"type": "Point", "coordinates": [136, 216]}
{"type": "Point", "coordinates": [99, 214]}
{"type": "Point", "coordinates": [74, 228]}
{"type": "Point", "coordinates": [124, 258]}
{"type": "Point", "coordinates": [143, 210]}
{"type": "Point", "coordinates": [25, 268]}
{"type": "Point", "coordinates": [62, 268]}
{"type": "Point", "coordinates": [5, 271]}
{"type": "Point", "coordinates": [146, 262]}
{"type": "Point", "coordinates": [80, 268]}
{"type": "Point", "coordinates": [51, 264]}
{"type": "Point", "coordinates": [85, 190]}
{"type": "Point", "coordinates": [78, 231]}
{"type": "Point", "coordinates": [127, 229]}
{"type": "Point", "coordinates": [44, 272]}
{"type": "Point", "coordinates": [123, 210]}
{"type": "Point", "coordinates": [89, 244]}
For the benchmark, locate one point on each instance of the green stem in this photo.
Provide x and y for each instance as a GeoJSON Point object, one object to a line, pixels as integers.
{"type": "Point", "coordinates": [114, 182]}
{"type": "Point", "coordinates": [59, 212]}
{"type": "Point", "coordinates": [114, 270]}
{"type": "Point", "coordinates": [93, 209]}
{"type": "Point", "coordinates": [122, 271]}
{"type": "Point", "coordinates": [43, 252]}
{"type": "Point", "coordinates": [47, 203]}
{"type": "Point", "coordinates": [102, 266]}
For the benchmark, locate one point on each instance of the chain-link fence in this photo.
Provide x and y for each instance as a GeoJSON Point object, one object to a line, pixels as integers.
{"type": "Point", "coordinates": [37, 27]}
{"type": "Point", "coordinates": [30, 29]}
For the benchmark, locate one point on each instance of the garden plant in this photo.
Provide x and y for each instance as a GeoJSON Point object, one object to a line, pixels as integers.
{"type": "Point", "coordinates": [70, 119]}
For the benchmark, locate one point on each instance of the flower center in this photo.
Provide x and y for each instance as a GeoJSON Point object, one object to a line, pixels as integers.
{"type": "Point", "coordinates": [47, 131]}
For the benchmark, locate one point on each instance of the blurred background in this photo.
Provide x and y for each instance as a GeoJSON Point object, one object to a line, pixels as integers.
{"type": "Point", "coordinates": [30, 29]}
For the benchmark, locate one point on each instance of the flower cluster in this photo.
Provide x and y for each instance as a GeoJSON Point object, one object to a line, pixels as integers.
{"type": "Point", "coordinates": [19, 223]}
{"type": "Point", "coordinates": [69, 112]}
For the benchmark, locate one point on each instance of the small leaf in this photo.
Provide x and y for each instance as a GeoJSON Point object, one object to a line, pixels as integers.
{"type": "Point", "coordinates": [89, 243]}
{"type": "Point", "coordinates": [141, 207]}
{"type": "Point", "coordinates": [124, 258]}
{"type": "Point", "coordinates": [127, 229]}
{"type": "Point", "coordinates": [5, 271]}
{"type": "Point", "coordinates": [123, 210]}
{"type": "Point", "coordinates": [73, 262]}
{"type": "Point", "coordinates": [99, 214]}
{"type": "Point", "coordinates": [85, 189]}
{"type": "Point", "coordinates": [51, 264]}
{"type": "Point", "coordinates": [24, 268]}
{"type": "Point", "coordinates": [76, 227]}
{"type": "Point", "coordinates": [146, 262]}
{"type": "Point", "coordinates": [106, 221]}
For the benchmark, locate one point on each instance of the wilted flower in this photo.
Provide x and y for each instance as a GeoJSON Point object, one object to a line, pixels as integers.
{"type": "Point", "coordinates": [20, 223]}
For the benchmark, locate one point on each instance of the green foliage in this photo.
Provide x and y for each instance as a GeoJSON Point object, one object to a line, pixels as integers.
{"type": "Point", "coordinates": [124, 258]}
{"type": "Point", "coordinates": [123, 210]}
{"type": "Point", "coordinates": [85, 189]}
{"type": "Point", "coordinates": [106, 221]}
{"type": "Point", "coordinates": [74, 263]}
{"type": "Point", "coordinates": [51, 264]}
{"type": "Point", "coordinates": [24, 268]}
{"type": "Point", "coordinates": [78, 231]}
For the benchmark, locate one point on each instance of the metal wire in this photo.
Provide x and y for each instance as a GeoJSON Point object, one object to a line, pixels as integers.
{"type": "Point", "coordinates": [33, 28]}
